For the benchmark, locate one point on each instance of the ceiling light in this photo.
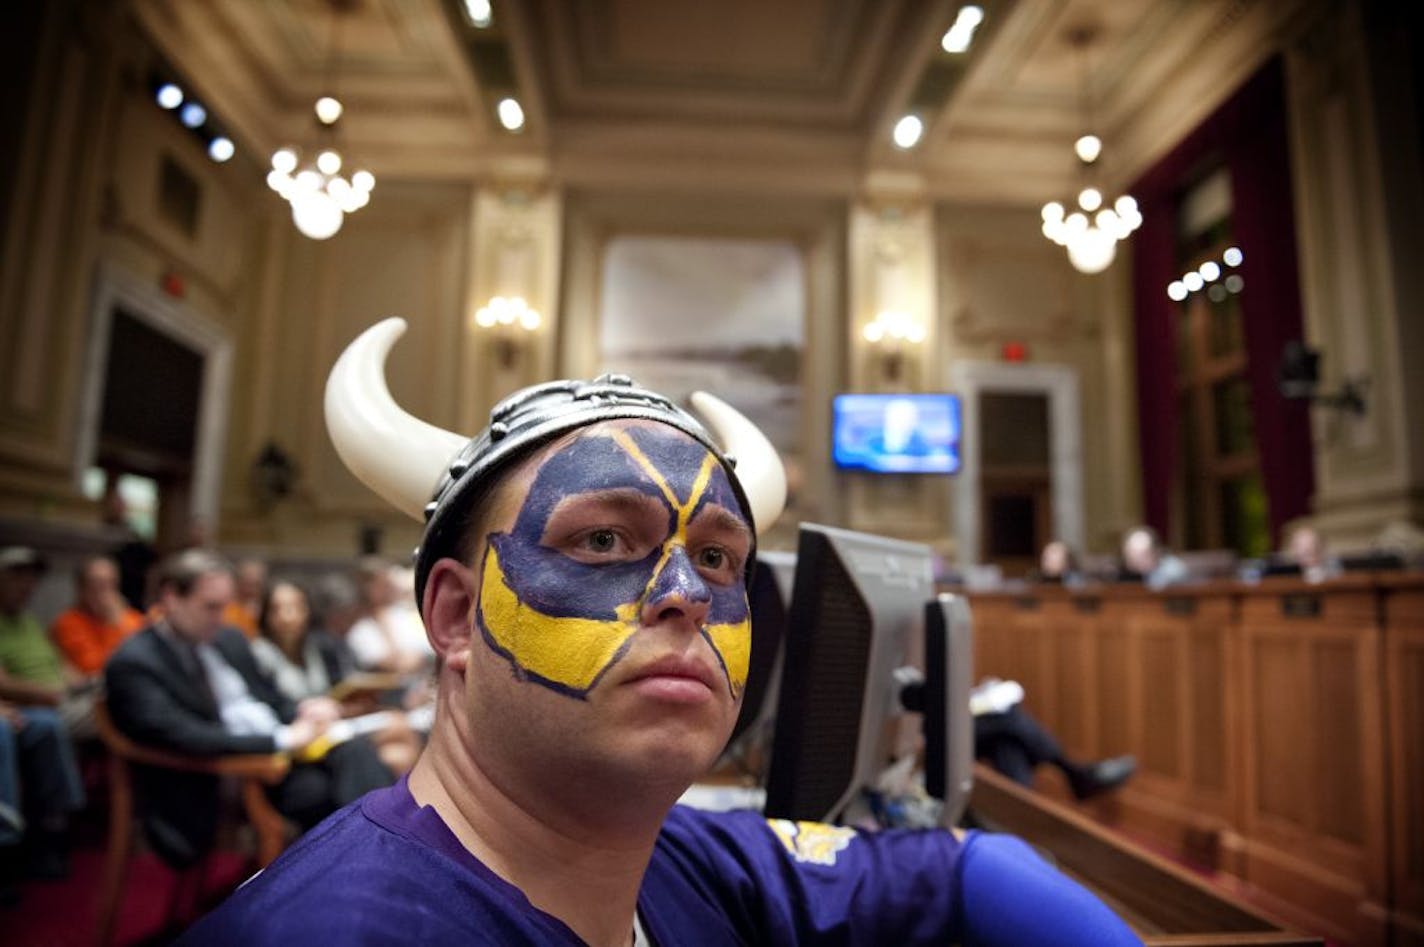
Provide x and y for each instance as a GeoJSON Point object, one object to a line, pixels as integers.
{"type": "Point", "coordinates": [316, 213]}
{"type": "Point", "coordinates": [221, 149]}
{"type": "Point", "coordinates": [960, 36]}
{"type": "Point", "coordinates": [908, 131]}
{"type": "Point", "coordinates": [328, 109]}
{"type": "Point", "coordinates": [1177, 291]}
{"type": "Point", "coordinates": [320, 195]}
{"type": "Point", "coordinates": [511, 114]}
{"type": "Point", "coordinates": [169, 96]}
{"type": "Point", "coordinates": [193, 115]}
{"type": "Point", "coordinates": [1232, 256]}
{"type": "Point", "coordinates": [1088, 148]}
{"type": "Point", "coordinates": [1092, 244]}
{"type": "Point", "coordinates": [1209, 270]}
{"type": "Point", "coordinates": [479, 13]}
{"type": "Point", "coordinates": [1193, 280]}
{"type": "Point", "coordinates": [1234, 283]}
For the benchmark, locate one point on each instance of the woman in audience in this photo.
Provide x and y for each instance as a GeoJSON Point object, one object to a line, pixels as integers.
{"type": "Point", "coordinates": [1306, 550]}
{"type": "Point", "coordinates": [1058, 565]}
{"type": "Point", "coordinates": [306, 662]}
{"type": "Point", "coordinates": [1146, 560]}
{"type": "Point", "coordinates": [389, 636]}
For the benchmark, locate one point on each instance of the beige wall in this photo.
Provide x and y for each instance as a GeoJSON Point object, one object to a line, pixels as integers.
{"type": "Point", "coordinates": [85, 204]}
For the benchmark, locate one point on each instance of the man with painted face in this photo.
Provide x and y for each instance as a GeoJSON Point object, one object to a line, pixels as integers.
{"type": "Point", "coordinates": [582, 578]}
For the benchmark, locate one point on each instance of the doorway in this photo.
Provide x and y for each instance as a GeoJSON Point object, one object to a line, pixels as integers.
{"type": "Point", "coordinates": [155, 404]}
{"type": "Point", "coordinates": [1015, 479]}
{"type": "Point", "coordinates": [1022, 480]}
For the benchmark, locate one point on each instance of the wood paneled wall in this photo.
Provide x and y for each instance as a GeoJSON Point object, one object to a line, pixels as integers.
{"type": "Point", "coordinates": [1279, 730]}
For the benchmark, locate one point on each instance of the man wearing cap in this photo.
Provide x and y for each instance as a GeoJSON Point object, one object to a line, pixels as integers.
{"type": "Point", "coordinates": [39, 778]}
{"type": "Point", "coordinates": [582, 577]}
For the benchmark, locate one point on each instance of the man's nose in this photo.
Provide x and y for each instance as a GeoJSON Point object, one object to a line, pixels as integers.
{"type": "Point", "coordinates": [678, 590]}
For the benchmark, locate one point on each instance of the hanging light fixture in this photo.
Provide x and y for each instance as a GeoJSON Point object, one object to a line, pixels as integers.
{"type": "Point", "coordinates": [1091, 230]}
{"type": "Point", "coordinates": [312, 180]}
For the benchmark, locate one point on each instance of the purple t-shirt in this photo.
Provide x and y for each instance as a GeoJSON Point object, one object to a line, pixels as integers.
{"type": "Point", "coordinates": [387, 871]}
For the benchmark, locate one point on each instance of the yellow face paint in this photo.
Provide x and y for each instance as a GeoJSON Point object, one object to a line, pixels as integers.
{"type": "Point", "coordinates": [570, 653]}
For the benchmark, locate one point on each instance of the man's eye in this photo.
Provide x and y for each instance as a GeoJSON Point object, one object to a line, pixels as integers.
{"type": "Point", "coordinates": [715, 558]}
{"type": "Point", "coordinates": [601, 540]}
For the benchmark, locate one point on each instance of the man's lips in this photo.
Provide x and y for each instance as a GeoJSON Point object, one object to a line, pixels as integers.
{"type": "Point", "coordinates": [676, 675]}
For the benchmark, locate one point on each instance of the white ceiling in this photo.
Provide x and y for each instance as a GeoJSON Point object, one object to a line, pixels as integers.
{"type": "Point", "coordinates": [797, 95]}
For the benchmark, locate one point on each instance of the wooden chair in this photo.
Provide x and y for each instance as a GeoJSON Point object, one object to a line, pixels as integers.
{"type": "Point", "coordinates": [254, 771]}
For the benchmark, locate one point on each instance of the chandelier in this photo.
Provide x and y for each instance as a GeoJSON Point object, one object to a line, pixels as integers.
{"type": "Point", "coordinates": [312, 180]}
{"type": "Point", "coordinates": [1091, 230]}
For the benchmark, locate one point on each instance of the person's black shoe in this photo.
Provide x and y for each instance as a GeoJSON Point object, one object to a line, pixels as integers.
{"type": "Point", "coordinates": [1091, 779]}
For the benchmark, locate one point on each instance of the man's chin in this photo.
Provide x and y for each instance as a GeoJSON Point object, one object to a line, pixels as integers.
{"type": "Point", "coordinates": [674, 758]}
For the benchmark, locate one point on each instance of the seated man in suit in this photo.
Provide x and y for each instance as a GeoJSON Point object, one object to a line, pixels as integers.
{"type": "Point", "coordinates": [187, 683]}
{"type": "Point", "coordinates": [583, 578]}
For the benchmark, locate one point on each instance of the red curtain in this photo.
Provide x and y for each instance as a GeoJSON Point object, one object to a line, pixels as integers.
{"type": "Point", "coordinates": [1248, 135]}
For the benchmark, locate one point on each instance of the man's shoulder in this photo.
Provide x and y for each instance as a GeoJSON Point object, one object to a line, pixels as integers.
{"type": "Point", "coordinates": [139, 647]}
{"type": "Point", "coordinates": [23, 624]}
{"type": "Point", "coordinates": [72, 617]}
{"type": "Point", "coordinates": [354, 880]}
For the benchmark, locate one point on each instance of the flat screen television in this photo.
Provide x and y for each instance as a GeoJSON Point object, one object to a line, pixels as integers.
{"type": "Point", "coordinates": [863, 610]}
{"type": "Point", "coordinates": [897, 433]}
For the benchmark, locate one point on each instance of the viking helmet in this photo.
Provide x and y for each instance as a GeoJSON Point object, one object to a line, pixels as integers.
{"type": "Point", "coordinates": [436, 475]}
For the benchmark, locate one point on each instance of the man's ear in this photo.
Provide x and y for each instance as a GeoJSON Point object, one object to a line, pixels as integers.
{"type": "Point", "coordinates": [449, 602]}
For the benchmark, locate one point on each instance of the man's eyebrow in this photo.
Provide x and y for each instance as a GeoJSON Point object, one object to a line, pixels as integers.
{"type": "Point", "coordinates": [618, 498]}
{"type": "Point", "coordinates": [719, 517]}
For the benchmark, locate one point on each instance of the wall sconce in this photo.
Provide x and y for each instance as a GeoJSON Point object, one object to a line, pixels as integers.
{"type": "Point", "coordinates": [511, 321]}
{"type": "Point", "coordinates": [1298, 377]}
{"type": "Point", "coordinates": [889, 335]}
{"type": "Point", "coordinates": [274, 475]}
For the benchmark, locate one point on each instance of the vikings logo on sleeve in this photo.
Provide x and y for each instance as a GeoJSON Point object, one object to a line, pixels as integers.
{"type": "Point", "coordinates": [812, 843]}
{"type": "Point", "coordinates": [562, 622]}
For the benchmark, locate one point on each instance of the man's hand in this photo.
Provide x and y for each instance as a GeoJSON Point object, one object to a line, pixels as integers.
{"type": "Point", "coordinates": [11, 714]}
{"type": "Point", "coordinates": [27, 693]}
{"type": "Point", "coordinates": [301, 732]}
{"type": "Point", "coordinates": [319, 710]}
{"type": "Point", "coordinates": [113, 606]}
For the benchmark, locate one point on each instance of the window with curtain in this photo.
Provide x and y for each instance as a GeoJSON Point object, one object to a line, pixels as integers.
{"type": "Point", "coordinates": [1220, 499]}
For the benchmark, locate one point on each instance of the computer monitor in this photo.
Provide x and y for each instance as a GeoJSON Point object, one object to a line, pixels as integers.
{"type": "Point", "coordinates": [858, 613]}
{"type": "Point", "coordinates": [949, 724]}
{"type": "Point", "coordinates": [769, 596]}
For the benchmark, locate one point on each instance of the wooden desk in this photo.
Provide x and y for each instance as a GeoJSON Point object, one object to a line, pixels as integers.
{"type": "Point", "coordinates": [1279, 730]}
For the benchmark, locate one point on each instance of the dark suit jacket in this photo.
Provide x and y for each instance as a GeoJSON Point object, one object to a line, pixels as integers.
{"type": "Point", "coordinates": [155, 701]}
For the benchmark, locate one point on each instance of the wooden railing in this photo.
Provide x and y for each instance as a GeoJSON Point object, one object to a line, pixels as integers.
{"type": "Point", "coordinates": [1279, 730]}
{"type": "Point", "coordinates": [1164, 902]}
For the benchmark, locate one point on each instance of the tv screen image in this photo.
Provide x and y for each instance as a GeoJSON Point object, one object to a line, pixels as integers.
{"type": "Point", "coordinates": [897, 433]}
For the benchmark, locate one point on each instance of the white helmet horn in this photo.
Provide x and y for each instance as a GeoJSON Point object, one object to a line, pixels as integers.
{"type": "Point", "coordinates": [394, 453]}
{"type": "Point", "coordinates": [759, 467]}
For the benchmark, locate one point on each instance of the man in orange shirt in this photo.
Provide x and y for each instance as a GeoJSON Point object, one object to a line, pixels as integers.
{"type": "Point", "coordinates": [245, 606]}
{"type": "Point", "coordinates": [100, 619]}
